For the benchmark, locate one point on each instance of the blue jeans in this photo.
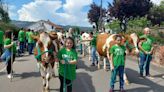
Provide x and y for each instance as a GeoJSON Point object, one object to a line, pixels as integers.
{"type": "Point", "coordinates": [21, 47]}
{"type": "Point", "coordinates": [117, 70]}
{"type": "Point", "coordinates": [30, 47]}
{"type": "Point", "coordinates": [81, 49]}
{"type": "Point", "coordinates": [144, 63]}
{"type": "Point", "coordinates": [6, 55]}
{"type": "Point", "coordinates": [93, 55]}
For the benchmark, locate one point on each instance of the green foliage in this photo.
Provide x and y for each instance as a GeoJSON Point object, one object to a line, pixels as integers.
{"type": "Point", "coordinates": [8, 26]}
{"type": "Point", "coordinates": [156, 14]}
{"type": "Point", "coordinates": [4, 16]}
{"type": "Point", "coordinates": [139, 22]}
{"type": "Point", "coordinates": [114, 26]}
{"type": "Point", "coordinates": [127, 9]}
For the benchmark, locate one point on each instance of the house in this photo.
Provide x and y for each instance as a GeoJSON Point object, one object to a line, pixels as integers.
{"type": "Point", "coordinates": [46, 25]}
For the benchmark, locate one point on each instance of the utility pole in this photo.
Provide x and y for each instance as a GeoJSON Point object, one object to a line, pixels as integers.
{"type": "Point", "coordinates": [100, 18]}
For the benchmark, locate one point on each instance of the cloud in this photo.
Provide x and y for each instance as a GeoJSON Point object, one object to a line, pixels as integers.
{"type": "Point", "coordinates": [12, 10]}
{"type": "Point", "coordinates": [69, 13]}
{"type": "Point", "coordinates": [157, 1]}
{"type": "Point", "coordinates": [39, 9]}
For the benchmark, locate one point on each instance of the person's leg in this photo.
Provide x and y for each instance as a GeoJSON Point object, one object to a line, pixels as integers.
{"type": "Point", "coordinates": [69, 85]}
{"type": "Point", "coordinates": [113, 78]}
{"type": "Point", "coordinates": [61, 82]}
{"type": "Point", "coordinates": [141, 64]}
{"type": "Point", "coordinates": [29, 47]}
{"type": "Point", "coordinates": [9, 65]}
{"type": "Point", "coordinates": [149, 58]}
{"type": "Point", "coordinates": [92, 54]}
{"type": "Point", "coordinates": [21, 47]}
{"type": "Point", "coordinates": [1, 49]}
{"type": "Point", "coordinates": [121, 74]}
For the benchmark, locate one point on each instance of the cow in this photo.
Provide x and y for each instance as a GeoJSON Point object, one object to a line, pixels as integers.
{"type": "Point", "coordinates": [86, 44]}
{"type": "Point", "coordinates": [47, 46]}
{"type": "Point", "coordinates": [105, 41]}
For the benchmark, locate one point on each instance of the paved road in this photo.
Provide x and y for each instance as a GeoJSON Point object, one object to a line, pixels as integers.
{"type": "Point", "coordinates": [89, 79]}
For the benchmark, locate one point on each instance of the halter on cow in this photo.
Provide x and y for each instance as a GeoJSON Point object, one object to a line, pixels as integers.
{"type": "Point", "coordinates": [45, 52]}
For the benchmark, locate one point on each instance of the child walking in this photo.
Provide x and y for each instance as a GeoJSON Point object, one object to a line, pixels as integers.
{"type": "Point", "coordinates": [10, 49]}
{"type": "Point", "coordinates": [67, 65]}
{"type": "Point", "coordinates": [117, 62]}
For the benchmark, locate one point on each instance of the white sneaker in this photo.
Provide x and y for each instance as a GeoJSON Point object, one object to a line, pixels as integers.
{"type": "Point", "coordinates": [163, 76]}
{"type": "Point", "coordinates": [9, 76]}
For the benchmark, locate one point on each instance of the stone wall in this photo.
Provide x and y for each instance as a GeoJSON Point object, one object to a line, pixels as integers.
{"type": "Point", "coordinates": [158, 56]}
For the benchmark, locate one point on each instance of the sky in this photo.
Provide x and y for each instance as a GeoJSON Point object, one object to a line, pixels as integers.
{"type": "Point", "coordinates": [62, 12]}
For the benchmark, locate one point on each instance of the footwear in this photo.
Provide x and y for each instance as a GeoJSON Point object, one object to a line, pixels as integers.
{"type": "Point", "coordinates": [122, 90]}
{"type": "Point", "coordinates": [93, 64]}
{"type": "Point", "coordinates": [141, 76]}
{"type": "Point", "coordinates": [9, 76]}
{"type": "Point", "coordinates": [149, 77]}
{"type": "Point", "coordinates": [111, 90]}
{"type": "Point", "coordinates": [163, 76]}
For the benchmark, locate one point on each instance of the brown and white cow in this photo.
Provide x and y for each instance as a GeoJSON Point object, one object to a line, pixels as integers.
{"type": "Point", "coordinates": [45, 51]}
{"type": "Point", "coordinates": [106, 41]}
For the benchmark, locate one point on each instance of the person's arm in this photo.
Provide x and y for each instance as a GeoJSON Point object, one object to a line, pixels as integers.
{"type": "Point", "coordinates": [140, 47]}
{"type": "Point", "coordinates": [108, 56]}
{"type": "Point", "coordinates": [8, 46]}
{"type": "Point", "coordinates": [152, 50]}
{"type": "Point", "coordinates": [74, 61]}
{"type": "Point", "coordinates": [111, 62]}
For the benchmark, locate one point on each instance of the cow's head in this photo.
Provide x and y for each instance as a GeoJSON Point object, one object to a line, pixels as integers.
{"type": "Point", "coordinates": [44, 50]}
{"type": "Point", "coordinates": [131, 42]}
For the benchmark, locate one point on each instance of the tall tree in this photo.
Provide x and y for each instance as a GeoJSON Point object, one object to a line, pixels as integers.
{"type": "Point", "coordinates": [127, 9]}
{"type": "Point", "coordinates": [94, 14]}
{"type": "Point", "coordinates": [4, 16]}
{"type": "Point", "coordinates": [156, 14]}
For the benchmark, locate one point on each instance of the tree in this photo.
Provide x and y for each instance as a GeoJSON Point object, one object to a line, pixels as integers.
{"type": "Point", "coordinates": [139, 22]}
{"type": "Point", "coordinates": [156, 14]}
{"type": "Point", "coordinates": [4, 16]}
{"type": "Point", "coordinates": [94, 14]}
{"type": "Point", "coordinates": [128, 9]}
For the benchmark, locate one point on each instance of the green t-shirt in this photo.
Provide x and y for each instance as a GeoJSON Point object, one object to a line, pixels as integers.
{"type": "Point", "coordinates": [147, 45]}
{"type": "Point", "coordinates": [93, 41]}
{"type": "Point", "coordinates": [7, 42]}
{"type": "Point", "coordinates": [70, 69]}
{"type": "Point", "coordinates": [1, 36]}
{"type": "Point", "coordinates": [27, 35]}
{"type": "Point", "coordinates": [118, 55]}
{"type": "Point", "coordinates": [30, 39]}
{"type": "Point", "coordinates": [21, 36]}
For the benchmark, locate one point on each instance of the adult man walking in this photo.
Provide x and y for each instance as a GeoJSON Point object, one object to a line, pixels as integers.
{"type": "Point", "coordinates": [146, 51]}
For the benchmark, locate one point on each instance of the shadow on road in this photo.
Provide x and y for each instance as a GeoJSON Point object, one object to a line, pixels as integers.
{"type": "Point", "coordinates": [82, 65]}
{"type": "Point", "coordinates": [83, 83]}
{"type": "Point", "coordinates": [133, 77]}
{"type": "Point", "coordinates": [28, 75]}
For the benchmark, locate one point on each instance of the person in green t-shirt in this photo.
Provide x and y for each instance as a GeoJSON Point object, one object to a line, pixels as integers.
{"type": "Point", "coordinates": [21, 39]}
{"type": "Point", "coordinates": [31, 42]}
{"type": "Point", "coordinates": [10, 49]}
{"type": "Point", "coordinates": [117, 63]}
{"type": "Point", "coordinates": [93, 49]}
{"type": "Point", "coordinates": [67, 65]}
{"type": "Point", "coordinates": [1, 41]}
{"type": "Point", "coordinates": [146, 51]}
